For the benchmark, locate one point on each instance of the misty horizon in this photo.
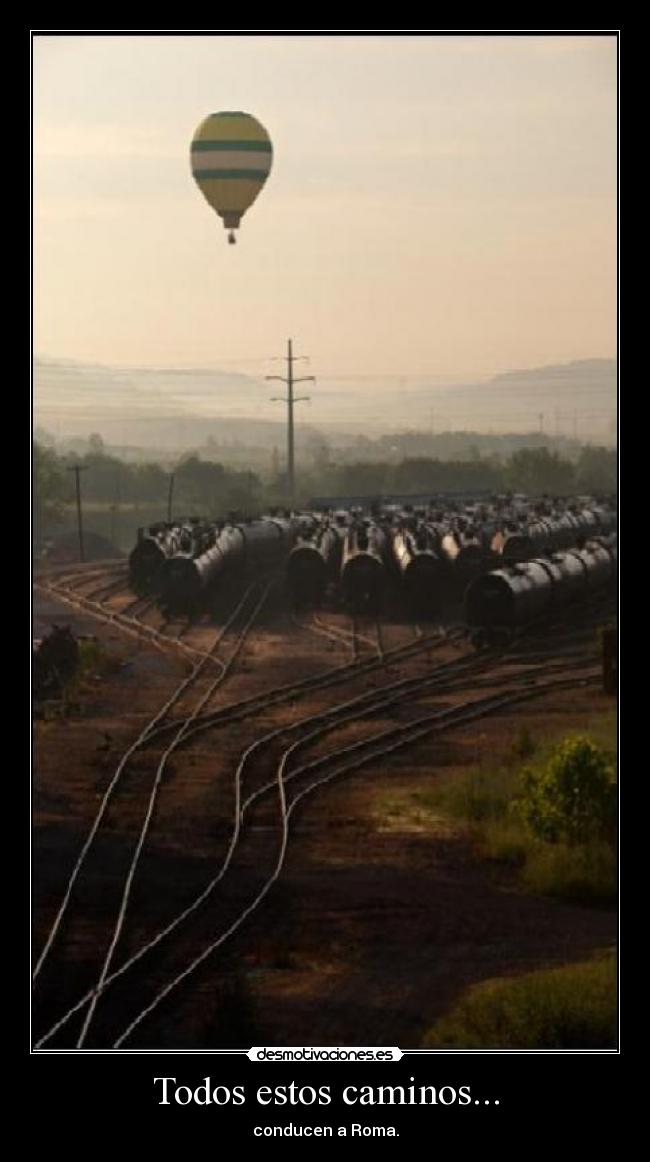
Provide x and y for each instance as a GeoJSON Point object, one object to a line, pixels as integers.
{"type": "Point", "coordinates": [133, 405]}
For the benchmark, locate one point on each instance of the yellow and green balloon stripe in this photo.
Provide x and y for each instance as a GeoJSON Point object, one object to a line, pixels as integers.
{"type": "Point", "coordinates": [231, 156]}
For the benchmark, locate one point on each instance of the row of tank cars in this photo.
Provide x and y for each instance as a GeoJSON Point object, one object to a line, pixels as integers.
{"type": "Point", "coordinates": [510, 560]}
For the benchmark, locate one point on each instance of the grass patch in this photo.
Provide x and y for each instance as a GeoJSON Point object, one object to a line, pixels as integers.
{"type": "Point", "coordinates": [408, 812]}
{"type": "Point", "coordinates": [602, 729]}
{"type": "Point", "coordinates": [483, 796]}
{"type": "Point", "coordinates": [585, 873]}
{"type": "Point", "coordinates": [560, 1008]}
{"type": "Point", "coordinates": [477, 795]}
{"type": "Point", "coordinates": [505, 840]}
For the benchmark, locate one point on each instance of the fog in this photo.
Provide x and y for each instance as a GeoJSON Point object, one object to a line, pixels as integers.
{"type": "Point", "coordinates": [176, 408]}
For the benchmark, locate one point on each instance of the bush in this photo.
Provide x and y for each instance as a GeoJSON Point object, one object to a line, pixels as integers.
{"type": "Point", "coordinates": [573, 797]}
{"type": "Point", "coordinates": [573, 1007]}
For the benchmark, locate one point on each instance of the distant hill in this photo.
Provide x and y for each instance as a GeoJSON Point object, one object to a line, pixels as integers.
{"type": "Point", "coordinates": [589, 371]}
{"type": "Point", "coordinates": [577, 398]}
{"type": "Point", "coordinates": [172, 407]}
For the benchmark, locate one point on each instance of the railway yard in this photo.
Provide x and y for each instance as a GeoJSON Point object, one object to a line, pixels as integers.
{"type": "Point", "coordinates": [229, 845]}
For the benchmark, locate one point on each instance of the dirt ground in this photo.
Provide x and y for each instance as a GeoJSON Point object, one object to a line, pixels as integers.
{"type": "Point", "coordinates": [378, 921]}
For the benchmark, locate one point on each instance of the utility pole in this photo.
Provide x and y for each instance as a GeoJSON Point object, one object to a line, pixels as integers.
{"type": "Point", "coordinates": [115, 507]}
{"type": "Point", "coordinates": [290, 400]}
{"type": "Point", "coordinates": [78, 469]}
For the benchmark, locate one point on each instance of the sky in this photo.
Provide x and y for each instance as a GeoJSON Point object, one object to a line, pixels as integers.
{"type": "Point", "coordinates": [438, 206]}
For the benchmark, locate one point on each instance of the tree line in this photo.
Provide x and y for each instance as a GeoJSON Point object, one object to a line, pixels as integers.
{"type": "Point", "coordinates": [205, 487]}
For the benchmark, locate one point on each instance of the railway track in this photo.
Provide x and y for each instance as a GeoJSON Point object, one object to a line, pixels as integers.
{"type": "Point", "coordinates": [225, 668]}
{"type": "Point", "coordinates": [126, 622]}
{"type": "Point", "coordinates": [182, 728]}
{"type": "Point", "coordinates": [454, 635]}
{"type": "Point", "coordinates": [458, 674]}
{"type": "Point", "coordinates": [463, 673]}
{"type": "Point", "coordinates": [336, 675]}
{"type": "Point", "coordinates": [82, 572]}
{"type": "Point", "coordinates": [321, 771]}
{"type": "Point", "coordinates": [345, 760]}
{"type": "Point", "coordinates": [334, 633]}
{"type": "Point", "coordinates": [106, 589]}
{"type": "Point", "coordinates": [353, 639]}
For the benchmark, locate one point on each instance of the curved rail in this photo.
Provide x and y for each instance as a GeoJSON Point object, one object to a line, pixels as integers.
{"type": "Point", "coordinates": [350, 710]}
{"type": "Point", "coordinates": [387, 742]}
{"type": "Point", "coordinates": [108, 793]}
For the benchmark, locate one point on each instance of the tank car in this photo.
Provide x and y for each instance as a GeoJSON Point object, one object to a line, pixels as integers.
{"type": "Point", "coordinates": [362, 567]}
{"type": "Point", "coordinates": [154, 547]}
{"type": "Point", "coordinates": [606, 520]}
{"type": "Point", "coordinates": [563, 530]}
{"type": "Point", "coordinates": [312, 563]}
{"type": "Point", "coordinates": [513, 596]}
{"type": "Point", "coordinates": [256, 545]}
{"type": "Point", "coordinates": [465, 554]}
{"type": "Point", "coordinates": [417, 557]}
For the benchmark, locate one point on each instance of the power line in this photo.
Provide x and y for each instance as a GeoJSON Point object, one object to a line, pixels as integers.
{"type": "Point", "coordinates": [290, 400]}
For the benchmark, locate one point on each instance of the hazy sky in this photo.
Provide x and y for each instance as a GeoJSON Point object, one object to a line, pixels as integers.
{"type": "Point", "coordinates": [438, 205]}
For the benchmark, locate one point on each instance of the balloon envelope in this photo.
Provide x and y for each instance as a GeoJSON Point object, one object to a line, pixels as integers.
{"type": "Point", "coordinates": [231, 157]}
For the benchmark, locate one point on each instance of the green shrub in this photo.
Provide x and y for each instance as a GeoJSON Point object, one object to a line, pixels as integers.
{"type": "Point", "coordinates": [573, 1007]}
{"type": "Point", "coordinates": [573, 797]}
{"type": "Point", "coordinates": [558, 831]}
{"type": "Point", "coordinates": [477, 794]}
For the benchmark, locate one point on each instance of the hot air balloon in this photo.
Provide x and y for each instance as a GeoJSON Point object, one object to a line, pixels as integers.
{"type": "Point", "coordinates": [231, 157]}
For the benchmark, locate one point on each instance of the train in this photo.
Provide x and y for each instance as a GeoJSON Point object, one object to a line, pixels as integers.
{"type": "Point", "coordinates": [420, 566]}
{"type": "Point", "coordinates": [154, 546]}
{"type": "Point", "coordinates": [363, 565]}
{"type": "Point", "coordinates": [508, 598]}
{"type": "Point", "coordinates": [187, 579]}
{"type": "Point", "coordinates": [313, 563]}
{"type": "Point", "coordinates": [559, 531]}
{"type": "Point", "coordinates": [465, 552]}
{"type": "Point", "coordinates": [430, 552]}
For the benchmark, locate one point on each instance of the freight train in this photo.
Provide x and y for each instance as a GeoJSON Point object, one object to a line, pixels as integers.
{"type": "Point", "coordinates": [421, 568]}
{"type": "Point", "coordinates": [506, 599]}
{"type": "Point", "coordinates": [257, 545]}
{"type": "Point", "coordinates": [465, 552]}
{"type": "Point", "coordinates": [560, 531]}
{"type": "Point", "coordinates": [313, 562]}
{"type": "Point", "coordinates": [154, 546]}
{"type": "Point", "coordinates": [363, 572]}
{"type": "Point", "coordinates": [432, 551]}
